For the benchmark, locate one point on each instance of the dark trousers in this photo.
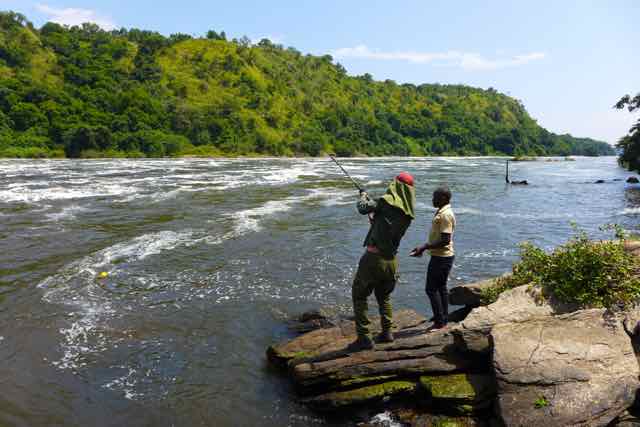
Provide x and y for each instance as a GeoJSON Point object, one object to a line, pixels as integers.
{"type": "Point", "coordinates": [436, 287]}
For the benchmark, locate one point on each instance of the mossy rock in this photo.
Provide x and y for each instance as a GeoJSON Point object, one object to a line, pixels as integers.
{"type": "Point", "coordinates": [280, 358]}
{"type": "Point", "coordinates": [339, 399]}
{"type": "Point", "coordinates": [450, 422]}
{"type": "Point", "coordinates": [365, 380]}
{"type": "Point", "coordinates": [455, 386]}
{"type": "Point", "coordinates": [460, 393]}
{"type": "Point", "coordinates": [413, 417]}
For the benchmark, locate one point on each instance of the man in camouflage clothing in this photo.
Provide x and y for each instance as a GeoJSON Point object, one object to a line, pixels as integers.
{"type": "Point", "coordinates": [390, 216]}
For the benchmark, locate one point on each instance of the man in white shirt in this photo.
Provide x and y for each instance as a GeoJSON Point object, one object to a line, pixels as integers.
{"type": "Point", "coordinates": [440, 246]}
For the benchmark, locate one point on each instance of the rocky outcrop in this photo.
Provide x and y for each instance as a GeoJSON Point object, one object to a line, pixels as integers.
{"type": "Point", "coordinates": [328, 340]}
{"type": "Point", "coordinates": [415, 351]}
{"type": "Point", "coordinates": [469, 295]}
{"type": "Point", "coordinates": [632, 246]}
{"type": "Point", "coordinates": [420, 362]}
{"type": "Point", "coordinates": [627, 419]}
{"type": "Point", "coordinates": [526, 359]}
{"type": "Point", "coordinates": [574, 369]}
{"type": "Point", "coordinates": [514, 306]}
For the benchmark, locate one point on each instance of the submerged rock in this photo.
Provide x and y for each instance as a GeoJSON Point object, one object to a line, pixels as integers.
{"type": "Point", "coordinates": [314, 319]}
{"type": "Point", "coordinates": [573, 369]}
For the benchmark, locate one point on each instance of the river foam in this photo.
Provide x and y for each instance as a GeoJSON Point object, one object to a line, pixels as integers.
{"type": "Point", "coordinates": [77, 286]}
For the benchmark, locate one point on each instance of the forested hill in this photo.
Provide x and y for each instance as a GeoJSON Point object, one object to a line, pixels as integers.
{"type": "Point", "coordinates": [82, 91]}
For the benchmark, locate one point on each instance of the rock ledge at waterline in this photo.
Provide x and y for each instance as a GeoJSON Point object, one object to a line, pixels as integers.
{"type": "Point", "coordinates": [521, 361]}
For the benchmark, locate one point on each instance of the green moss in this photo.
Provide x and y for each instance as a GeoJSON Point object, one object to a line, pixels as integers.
{"type": "Point", "coordinates": [450, 422]}
{"type": "Point", "coordinates": [285, 357]}
{"type": "Point", "coordinates": [281, 359]}
{"type": "Point", "coordinates": [365, 394]}
{"type": "Point", "coordinates": [464, 408]}
{"type": "Point", "coordinates": [456, 386]}
{"type": "Point", "coordinates": [296, 355]}
{"type": "Point", "coordinates": [363, 380]}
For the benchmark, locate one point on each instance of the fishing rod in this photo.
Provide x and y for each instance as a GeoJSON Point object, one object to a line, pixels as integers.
{"type": "Point", "coordinates": [360, 189]}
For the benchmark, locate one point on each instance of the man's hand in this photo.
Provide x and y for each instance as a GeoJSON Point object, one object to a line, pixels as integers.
{"type": "Point", "coordinates": [363, 191]}
{"type": "Point", "coordinates": [417, 252]}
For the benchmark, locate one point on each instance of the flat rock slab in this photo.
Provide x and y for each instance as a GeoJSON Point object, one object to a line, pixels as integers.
{"type": "Point", "coordinates": [460, 393]}
{"type": "Point", "coordinates": [466, 387]}
{"type": "Point", "coordinates": [415, 351]}
{"type": "Point", "coordinates": [515, 305]}
{"type": "Point", "coordinates": [367, 394]}
{"type": "Point", "coordinates": [328, 375]}
{"type": "Point", "coordinates": [331, 339]}
{"type": "Point", "coordinates": [573, 369]}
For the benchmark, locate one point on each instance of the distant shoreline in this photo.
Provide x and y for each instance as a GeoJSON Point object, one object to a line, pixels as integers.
{"type": "Point", "coordinates": [190, 156]}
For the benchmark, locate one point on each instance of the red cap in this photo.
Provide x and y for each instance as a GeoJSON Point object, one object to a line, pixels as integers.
{"type": "Point", "coordinates": [405, 177]}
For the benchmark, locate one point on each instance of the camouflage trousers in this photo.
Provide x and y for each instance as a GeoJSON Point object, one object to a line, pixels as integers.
{"type": "Point", "coordinates": [375, 275]}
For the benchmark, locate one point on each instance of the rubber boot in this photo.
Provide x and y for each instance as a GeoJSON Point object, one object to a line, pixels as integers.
{"type": "Point", "coordinates": [362, 343]}
{"type": "Point", "coordinates": [385, 336]}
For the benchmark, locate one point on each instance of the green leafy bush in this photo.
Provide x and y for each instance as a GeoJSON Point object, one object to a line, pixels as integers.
{"type": "Point", "coordinates": [589, 273]}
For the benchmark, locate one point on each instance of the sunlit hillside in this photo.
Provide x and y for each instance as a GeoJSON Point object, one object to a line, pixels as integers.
{"type": "Point", "coordinates": [82, 91]}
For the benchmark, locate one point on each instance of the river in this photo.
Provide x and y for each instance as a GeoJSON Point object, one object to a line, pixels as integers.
{"type": "Point", "coordinates": [208, 258]}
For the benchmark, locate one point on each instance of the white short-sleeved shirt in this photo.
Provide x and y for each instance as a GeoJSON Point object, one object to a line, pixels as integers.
{"type": "Point", "coordinates": [444, 221]}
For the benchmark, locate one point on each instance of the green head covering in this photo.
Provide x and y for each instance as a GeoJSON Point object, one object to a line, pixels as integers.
{"type": "Point", "coordinates": [401, 196]}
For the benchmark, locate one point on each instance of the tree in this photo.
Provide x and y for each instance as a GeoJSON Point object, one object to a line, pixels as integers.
{"type": "Point", "coordinates": [79, 139]}
{"type": "Point", "coordinates": [25, 115]}
{"type": "Point", "coordinates": [630, 144]}
{"type": "Point", "coordinates": [213, 35]}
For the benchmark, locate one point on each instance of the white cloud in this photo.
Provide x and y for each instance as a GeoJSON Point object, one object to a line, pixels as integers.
{"type": "Point", "coordinates": [465, 60]}
{"type": "Point", "coordinates": [274, 38]}
{"type": "Point", "coordinates": [74, 16]}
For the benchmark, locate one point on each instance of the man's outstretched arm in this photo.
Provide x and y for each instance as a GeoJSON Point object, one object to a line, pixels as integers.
{"type": "Point", "coordinates": [445, 239]}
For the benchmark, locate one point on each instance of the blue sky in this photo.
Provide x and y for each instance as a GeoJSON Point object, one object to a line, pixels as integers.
{"type": "Point", "coordinates": [568, 61]}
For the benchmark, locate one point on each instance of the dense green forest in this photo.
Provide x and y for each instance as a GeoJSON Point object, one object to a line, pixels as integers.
{"type": "Point", "coordinates": [85, 92]}
{"type": "Point", "coordinates": [630, 143]}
